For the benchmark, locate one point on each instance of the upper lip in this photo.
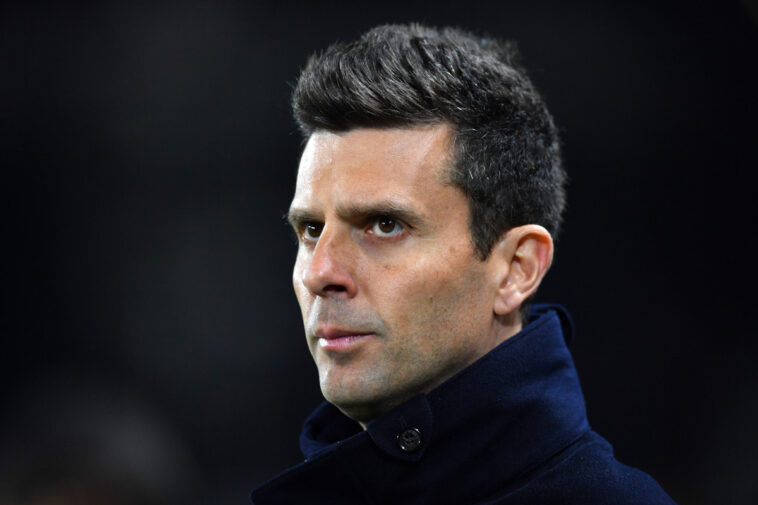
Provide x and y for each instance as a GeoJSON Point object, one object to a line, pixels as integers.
{"type": "Point", "coordinates": [331, 333]}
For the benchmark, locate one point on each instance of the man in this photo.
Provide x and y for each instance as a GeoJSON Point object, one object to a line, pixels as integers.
{"type": "Point", "coordinates": [427, 198]}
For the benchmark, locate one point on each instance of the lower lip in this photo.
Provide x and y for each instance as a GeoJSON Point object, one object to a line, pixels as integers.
{"type": "Point", "coordinates": [341, 343]}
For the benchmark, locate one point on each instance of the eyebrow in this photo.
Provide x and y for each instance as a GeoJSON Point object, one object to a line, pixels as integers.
{"type": "Point", "coordinates": [356, 212]}
{"type": "Point", "coordinates": [296, 217]}
{"type": "Point", "coordinates": [387, 208]}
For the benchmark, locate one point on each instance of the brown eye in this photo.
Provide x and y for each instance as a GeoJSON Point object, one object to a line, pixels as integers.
{"type": "Point", "coordinates": [386, 227]}
{"type": "Point", "coordinates": [312, 231]}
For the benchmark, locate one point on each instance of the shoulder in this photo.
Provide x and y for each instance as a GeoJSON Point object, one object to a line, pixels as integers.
{"type": "Point", "coordinates": [587, 472]}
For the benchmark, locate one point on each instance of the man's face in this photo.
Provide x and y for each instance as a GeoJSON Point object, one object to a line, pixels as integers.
{"type": "Point", "coordinates": [393, 297]}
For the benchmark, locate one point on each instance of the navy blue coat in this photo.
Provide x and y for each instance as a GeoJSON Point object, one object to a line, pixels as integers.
{"type": "Point", "coordinates": [509, 429]}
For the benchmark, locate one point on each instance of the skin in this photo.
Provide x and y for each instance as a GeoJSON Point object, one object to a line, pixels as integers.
{"type": "Point", "coordinates": [385, 262]}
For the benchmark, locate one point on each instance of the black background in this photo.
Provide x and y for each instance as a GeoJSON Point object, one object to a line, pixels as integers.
{"type": "Point", "coordinates": [148, 155]}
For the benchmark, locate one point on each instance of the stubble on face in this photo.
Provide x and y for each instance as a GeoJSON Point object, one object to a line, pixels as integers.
{"type": "Point", "coordinates": [423, 296]}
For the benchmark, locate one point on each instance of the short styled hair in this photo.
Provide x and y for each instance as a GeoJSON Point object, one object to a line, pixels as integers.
{"type": "Point", "coordinates": [506, 152]}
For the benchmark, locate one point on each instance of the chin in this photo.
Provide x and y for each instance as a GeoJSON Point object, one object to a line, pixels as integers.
{"type": "Point", "coordinates": [361, 406]}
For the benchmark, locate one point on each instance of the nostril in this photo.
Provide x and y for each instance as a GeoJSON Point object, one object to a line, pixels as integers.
{"type": "Point", "coordinates": [334, 288]}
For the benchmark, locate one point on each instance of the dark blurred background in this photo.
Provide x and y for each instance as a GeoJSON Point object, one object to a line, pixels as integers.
{"type": "Point", "coordinates": [150, 340]}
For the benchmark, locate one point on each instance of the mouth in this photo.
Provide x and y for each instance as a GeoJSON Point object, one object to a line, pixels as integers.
{"type": "Point", "coordinates": [340, 340]}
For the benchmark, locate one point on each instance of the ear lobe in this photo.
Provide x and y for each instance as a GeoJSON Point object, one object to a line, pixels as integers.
{"type": "Point", "coordinates": [528, 252]}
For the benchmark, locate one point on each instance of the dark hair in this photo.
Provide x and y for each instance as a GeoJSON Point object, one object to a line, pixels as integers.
{"type": "Point", "coordinates": [506, 149]}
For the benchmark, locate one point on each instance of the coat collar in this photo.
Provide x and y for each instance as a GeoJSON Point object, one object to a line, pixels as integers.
{"type": "Point", "coordinates": [509, 411]}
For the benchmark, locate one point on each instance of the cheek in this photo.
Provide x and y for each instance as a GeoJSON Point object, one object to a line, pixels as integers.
{"type": "Point", "coordinates": [301, 293]}
{"type": "Point", "coordinates": [440, 299]}
{"type": "Point", "coordinates": [297, 272]}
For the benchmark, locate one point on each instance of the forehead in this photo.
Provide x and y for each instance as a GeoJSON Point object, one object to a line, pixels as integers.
{"type": "Point", "coordinates": [366, 163]}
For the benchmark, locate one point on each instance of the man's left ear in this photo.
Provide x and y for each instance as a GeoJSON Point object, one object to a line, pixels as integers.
{"type": "Point", "coordinates": [523, 257]}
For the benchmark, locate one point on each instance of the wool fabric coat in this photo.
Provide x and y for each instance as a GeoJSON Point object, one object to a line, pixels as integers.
{"type": "Point", "coordinates": [509, 429]}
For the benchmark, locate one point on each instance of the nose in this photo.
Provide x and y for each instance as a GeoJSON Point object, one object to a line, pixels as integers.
{"type": "Point", "coordinates": [327, 271]}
